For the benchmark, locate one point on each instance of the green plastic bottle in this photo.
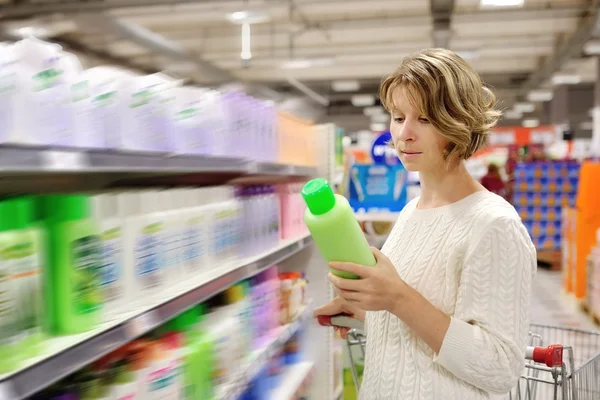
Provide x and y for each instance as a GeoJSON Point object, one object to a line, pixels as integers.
{"type": "Point", "coordinates": [74, 251]}
{"type": "Point", "coordinates": [334, 228]}
{"type": "Point", "coordinates": [20, 283]}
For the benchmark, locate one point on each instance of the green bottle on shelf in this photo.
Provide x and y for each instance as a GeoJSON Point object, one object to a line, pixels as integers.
{"type": "Point", "coordinates": [73, 247]}
{"type": "Point", "coordinates": [334, 228]}
{"type": "Point", "coordinates": [20, 283]}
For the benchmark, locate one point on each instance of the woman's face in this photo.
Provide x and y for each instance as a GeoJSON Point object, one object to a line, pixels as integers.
{"type": "Point", "coordinates": [419, 145]}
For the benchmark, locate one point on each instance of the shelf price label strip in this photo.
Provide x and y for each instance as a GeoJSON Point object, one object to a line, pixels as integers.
{"type": "Point", "coordinates": [32, 379]}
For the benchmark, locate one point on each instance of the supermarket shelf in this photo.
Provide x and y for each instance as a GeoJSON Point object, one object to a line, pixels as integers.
{"type": "Point", "coordinates": [259, 358]}
{"type": "Point", "coordinates": [68, 354]}
{"type": "Point", "coordinates": [110, 167]}
{"type": "Point", "coordinates": [377, 216]}
{"type": "Point", "coordinates": [291, 381]}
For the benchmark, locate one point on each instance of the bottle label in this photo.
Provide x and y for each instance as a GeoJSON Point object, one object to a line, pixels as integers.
{"type": "Point", "coordinates": [87, 259]}
{"type": "Point", "coordinates": [164, 383]}
{"type": "Point", "coordinates": [8, 322]}
{"type": "Point", "coordinates": [149, 255]}
{"type": "Point", "coordinates": [173, 238]}
{"type": "Point", "coordinates": [111, 268]}
{"type": "Point", "coordinates": [194, 246]}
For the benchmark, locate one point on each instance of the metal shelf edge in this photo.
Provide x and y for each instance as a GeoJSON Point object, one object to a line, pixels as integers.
{"type": "Point", "coordinates": [43, 374]}
{"type": "Point", "coordinates": [34, 159]}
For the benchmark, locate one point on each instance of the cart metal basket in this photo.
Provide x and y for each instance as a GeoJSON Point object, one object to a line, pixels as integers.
{"type": "Point", "coordinates": [566, 370]}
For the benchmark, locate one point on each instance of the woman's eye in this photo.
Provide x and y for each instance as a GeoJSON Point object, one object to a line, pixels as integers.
{"type": "Point", "coordinates": [398, 119]}
{"type": "Point", "coordinates": [424, 120]}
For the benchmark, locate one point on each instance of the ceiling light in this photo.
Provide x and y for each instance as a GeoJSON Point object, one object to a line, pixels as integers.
{"type": "Point", "coordinates": [540, 95]}
{"type": "Point", "coordinates": [513, 114]}
{"type": "Point", "coordinates": [592, 48]}
{"type": "Point", "coordinates": [524, 107]}
{"type": "Point", "coordinates": [501, 3]}
{"type": "Point", "coordinates": [345, 86]}
{"type": "Point", "coordinates": [31, 31]}
{"type": "Point", "coordinates": [468, 54]}
{"type": "Point", "coordinates": [531, 123]}
{"type": "Point", "coordinates": [248, 17]}
{"type": "Point", "coordinates": [306, 63]}
{"type": "Point", "coordinates": [362, 100]}
{"type": "Point", "coordinates": [566, 79]}
{"type": "Point", "coordinates": [374, 110]}
{"type": "Point", "coordinates": [381, 118]}
{"type": "Point", "coordinates": [378, 127]}
{"type": "Point", "coordinates": [246, 54]}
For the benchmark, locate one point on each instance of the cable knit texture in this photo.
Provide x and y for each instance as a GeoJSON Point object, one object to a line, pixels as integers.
{"type": "Point", "coordinates": [474, 260]}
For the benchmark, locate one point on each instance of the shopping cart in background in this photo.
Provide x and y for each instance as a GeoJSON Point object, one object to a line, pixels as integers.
{"type": "Point", "coordinates": [566, 370]}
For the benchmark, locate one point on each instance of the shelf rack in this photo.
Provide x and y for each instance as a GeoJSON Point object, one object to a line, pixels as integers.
{"type": "Point", "coordinates": [257, 361]}
{"type": "Point", "coordinates": [71, 353]}
{"type": "Point", "coordinates": [31, 169]}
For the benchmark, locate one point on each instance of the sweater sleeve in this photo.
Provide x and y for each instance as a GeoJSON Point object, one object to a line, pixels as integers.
{"type": "Point", "coordinates": [485, 342]}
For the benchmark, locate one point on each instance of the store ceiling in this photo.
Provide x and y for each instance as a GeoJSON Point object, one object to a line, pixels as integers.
{"type": "Point", "coordinates": [516, 49]}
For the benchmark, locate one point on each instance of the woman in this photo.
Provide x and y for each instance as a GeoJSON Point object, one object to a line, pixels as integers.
{"type": "Point", "coordinates": [446, 308]}
{"type": "Point", "coordinates": [493, 182]}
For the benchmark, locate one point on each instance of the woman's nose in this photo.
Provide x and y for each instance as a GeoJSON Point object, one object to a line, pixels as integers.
{"type": "Point", "coordinates": [406, 132]}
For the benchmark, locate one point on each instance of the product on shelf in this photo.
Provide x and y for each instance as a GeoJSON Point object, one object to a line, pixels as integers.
{"type": "Point", "coordinates": [111, 271]}
{"type": "Point", "coordinates": [292, 210]}
{"type": "Point", "coordinates": [21, 285]}
{"type": "Point", "coordinates": [541, 190]}
{"type": "Point", "coordinates": [73, 296]}
{"type": "Point", "coordinates": [196, 354]}
{"type": "Point", "coordinates": [593, 279]}
{"type": "Point", "coordinates": [291, 295]}
{"type": "Point", "coordinates": [334, 228]}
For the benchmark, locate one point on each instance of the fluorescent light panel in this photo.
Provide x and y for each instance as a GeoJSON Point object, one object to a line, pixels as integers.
{"type": "Point", "coordinates": [501, 3]}
{"type": "Point", "coordinates": [540, 95]}
{"type": "Point", "coordinates": [378, 127]}
{"type": "Point", "coordinates": [362, 100]}
{"type": "Point", "coordinates": [566, 79]}
{"type": "Point", "coordinates": [531, 123]}
{"type": "Point", "coordinates": [248, 17]}
{"type": "Point", "coordinates": [524, 107]}
{"type": "Point", "coordinates": [345, 86]}
{"type": "Point", "coordinates": [374, 110]}
{"type": "Point", "coordinates": [306, 63]}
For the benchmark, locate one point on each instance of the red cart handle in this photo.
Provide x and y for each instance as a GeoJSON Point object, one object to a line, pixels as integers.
{"type": "Point", "coordinates": [552, 355]}
{"type": "Point", "coordinates": [340, 320]}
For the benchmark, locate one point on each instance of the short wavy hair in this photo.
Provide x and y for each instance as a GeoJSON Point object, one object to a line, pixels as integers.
{"type": "Point", "coordinates": [448, 91]}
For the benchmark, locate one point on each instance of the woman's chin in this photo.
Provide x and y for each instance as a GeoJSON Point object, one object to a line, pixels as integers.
{"type": "Point", "coordinates": [409, 166]}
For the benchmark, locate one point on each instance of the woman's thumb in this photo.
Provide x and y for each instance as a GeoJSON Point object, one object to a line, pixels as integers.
{"type": "Point", "coordinates": [330, 308]}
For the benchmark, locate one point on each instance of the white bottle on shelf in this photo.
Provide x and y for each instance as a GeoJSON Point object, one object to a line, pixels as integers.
{"type": "Point", "coordinates": [112, 273]}
{"type": "Point", "coordinates": [173, 238]}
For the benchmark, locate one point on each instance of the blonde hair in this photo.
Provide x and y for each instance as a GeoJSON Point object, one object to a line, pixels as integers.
{"type": "Point", "coordinates": [447, 90]}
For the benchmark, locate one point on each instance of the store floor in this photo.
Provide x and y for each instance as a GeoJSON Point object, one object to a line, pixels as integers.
{"type": "Point", "coordinates": [551, 306]}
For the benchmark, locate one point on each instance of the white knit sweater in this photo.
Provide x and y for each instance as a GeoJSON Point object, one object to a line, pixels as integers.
{"type": "Point", "coordinates": [472, 259]}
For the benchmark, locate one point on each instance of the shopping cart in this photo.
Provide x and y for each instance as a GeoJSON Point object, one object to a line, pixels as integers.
{"type": "Point", "coordinates": [566, 371]}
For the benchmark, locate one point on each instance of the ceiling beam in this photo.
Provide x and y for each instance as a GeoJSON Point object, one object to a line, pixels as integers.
{"type": "Point", "coordinates": [587, 28]}
{"type": "Point", "coordinates": [101, 22]}
{"type": "Point", "coordinates": [441, 13]}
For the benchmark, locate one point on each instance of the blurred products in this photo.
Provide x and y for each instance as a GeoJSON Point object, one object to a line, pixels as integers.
{"type": "Point", "coordinates": [48, 99]}
{"type": "Point", "coordinates": [195, 355]}
{"type": "Point", "coordinates": [96, 258]}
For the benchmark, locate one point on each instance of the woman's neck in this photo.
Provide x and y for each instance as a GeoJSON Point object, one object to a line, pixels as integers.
{"type": "Point", "coordinates": [446, 186]}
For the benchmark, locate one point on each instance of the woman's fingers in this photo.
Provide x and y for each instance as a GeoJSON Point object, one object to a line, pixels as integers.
{"type": "Point", "coordinates": [331, 308]}
{"type": "Point", "coordinates": [346, 284]}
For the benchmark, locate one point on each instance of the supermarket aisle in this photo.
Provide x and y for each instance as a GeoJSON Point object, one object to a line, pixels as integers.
{"type": "Point", "coordinates": [550, 306]}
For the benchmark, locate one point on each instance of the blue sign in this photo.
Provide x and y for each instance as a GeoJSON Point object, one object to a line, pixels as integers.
{"type": "Point", "coordinates": [382, 150]}
{"type": "Point", "coordinates": [378, 187]}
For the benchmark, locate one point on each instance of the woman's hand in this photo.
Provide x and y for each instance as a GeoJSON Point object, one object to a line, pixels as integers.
{"type": "Point", "coordinates": [379, 287]}
{"type": "Point", "coordinates": [340, 306]}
